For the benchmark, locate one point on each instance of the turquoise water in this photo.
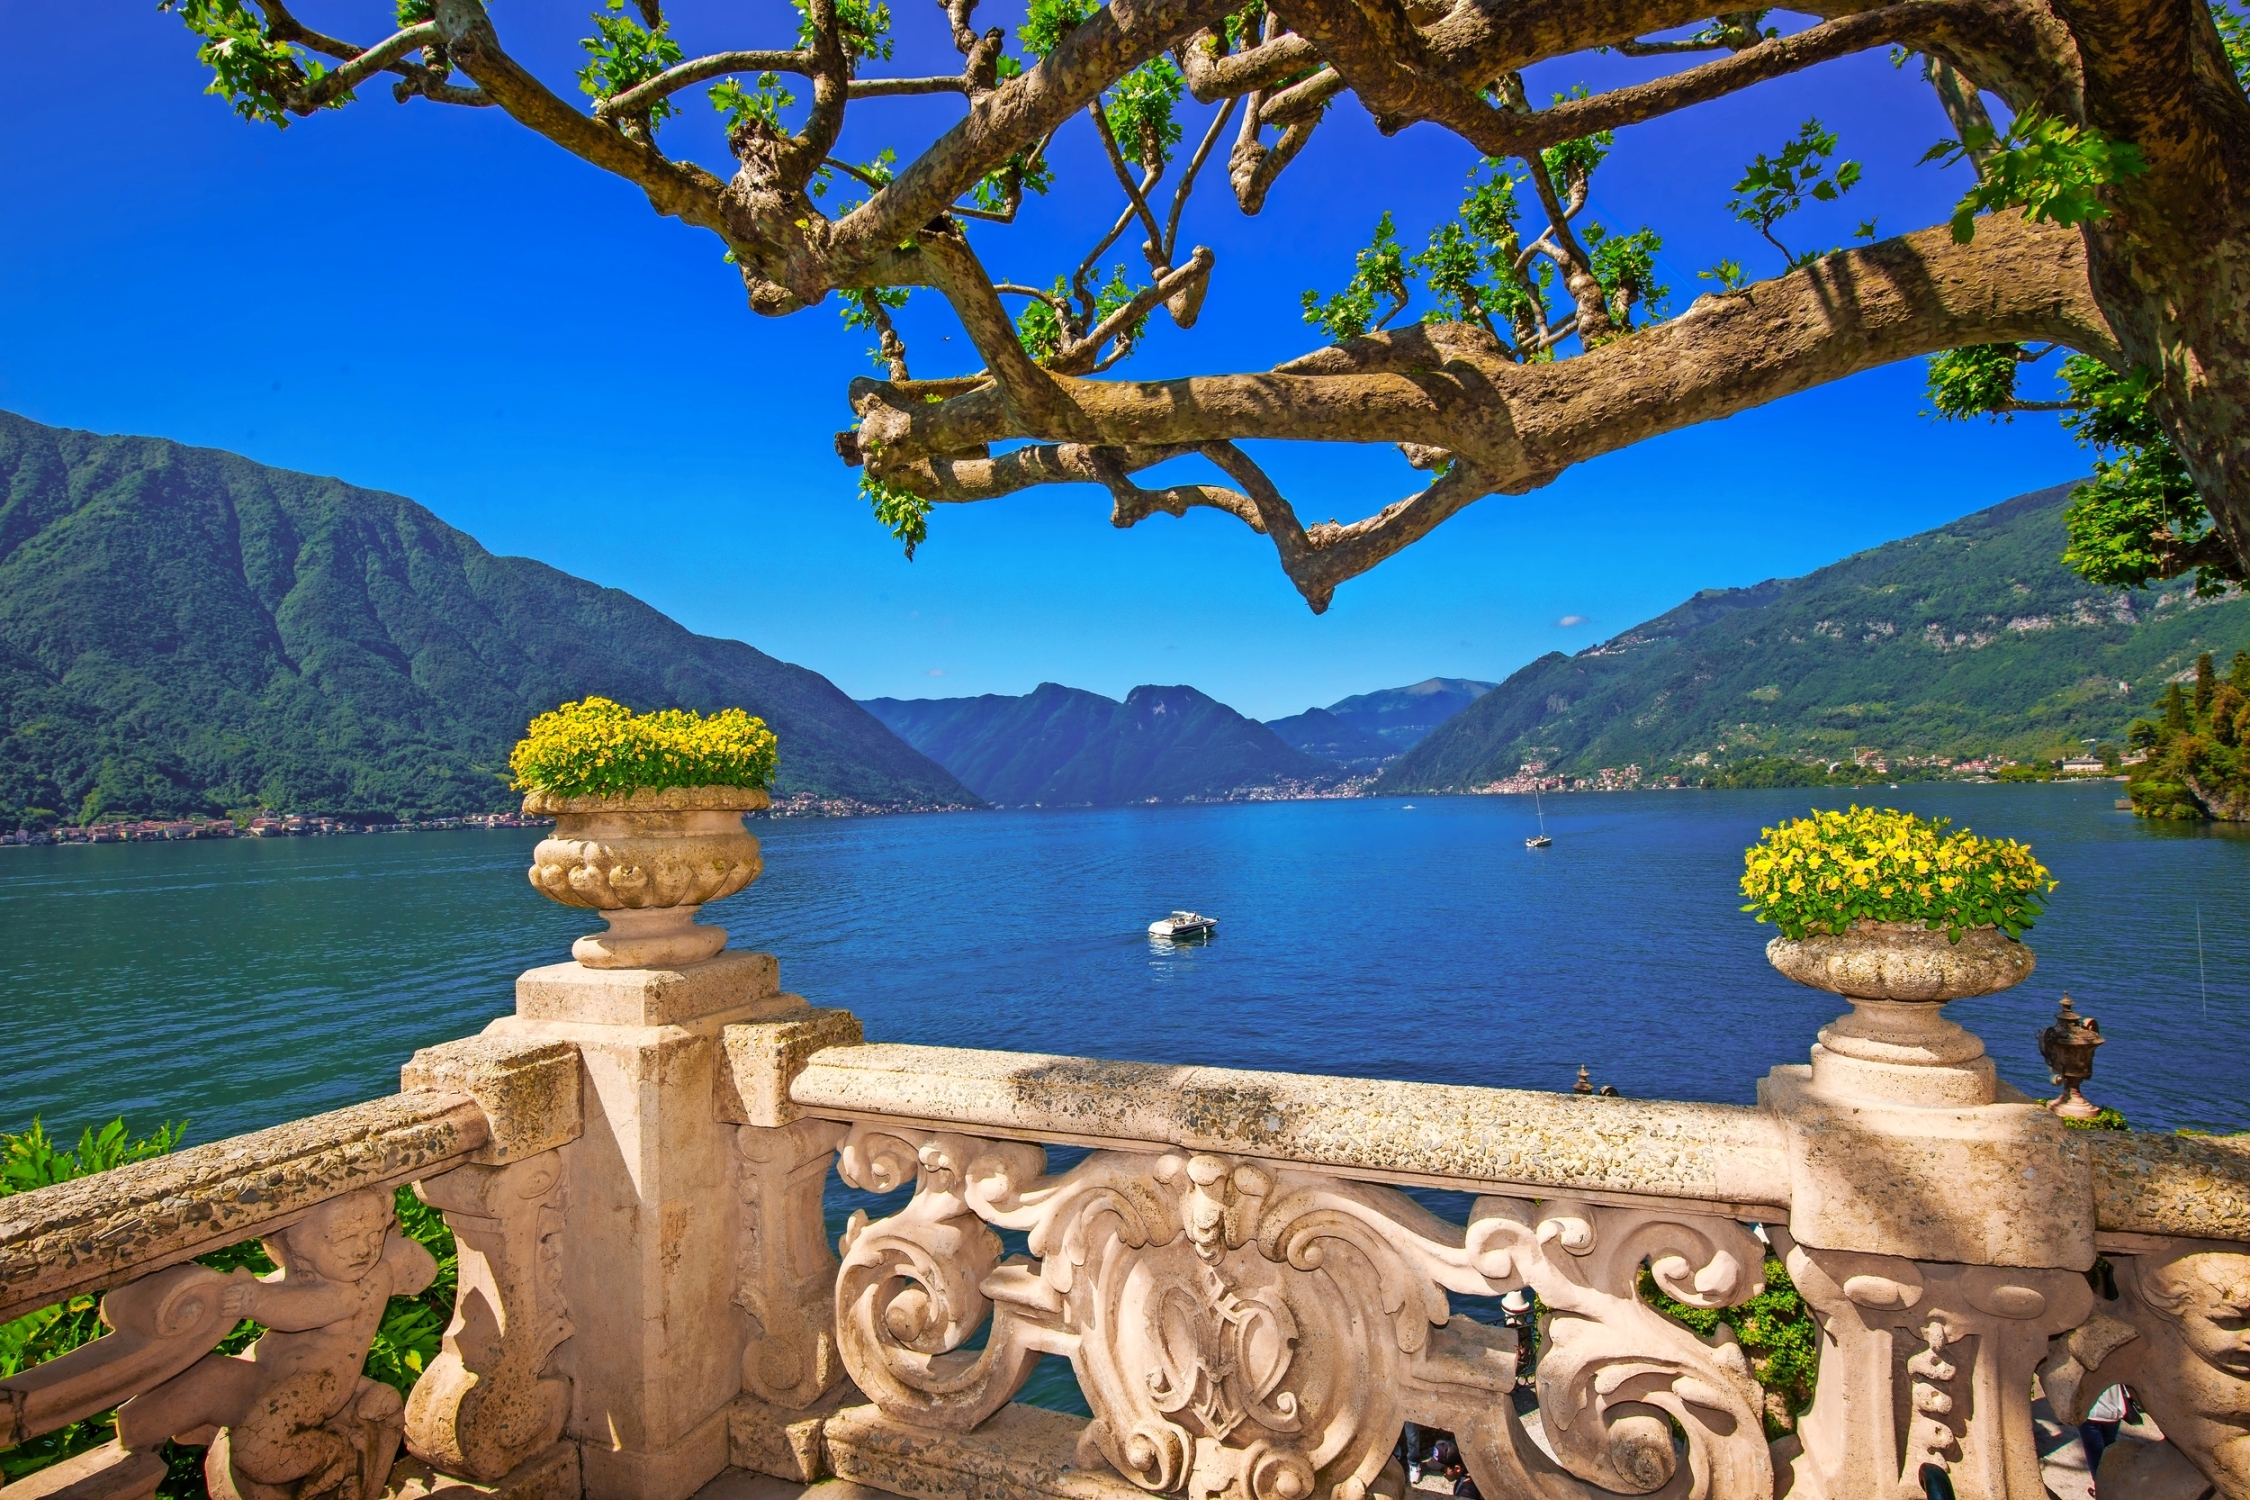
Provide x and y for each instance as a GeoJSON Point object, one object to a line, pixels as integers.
{"type": "Point", "coordinates": [237, 984]}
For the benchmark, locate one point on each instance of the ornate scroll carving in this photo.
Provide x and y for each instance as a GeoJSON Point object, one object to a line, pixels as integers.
{"type": "Point", "coordinates": [1924, 1363]}
{"type": "Point", "coordinates": [293, 1419]}
{"type": "Point", "coordinates": [2179, 1335]}
{"type": "Point", "coordinates": [786, 1274]}
{"type": "Point", "coordinates": [1259, 1333]}
{"type": "Point", "coordinates": [491, 1399]}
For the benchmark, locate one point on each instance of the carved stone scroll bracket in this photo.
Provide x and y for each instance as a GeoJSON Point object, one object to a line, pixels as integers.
{"type": "Point", "coordinates": [2179, 1335]}
{"type": "Point", "coordinates": [1618, 1378]}
{"type": "Point", "coordinates": [491, 1398]}
{"type": "Point", "coordinates": [1923, 1362]}
{"type": "Point", "coordinates": [786, 1274]}
{"type": "Point", "coordinates": [293, 1418]}
{"type": "Point", "coordinates": [1255, 1332]}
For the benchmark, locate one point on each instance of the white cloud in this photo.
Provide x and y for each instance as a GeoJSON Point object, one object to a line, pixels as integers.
{"type": "Point", "coordinates": [937, 671]}
{"type": "Point", "coordinates": [1569, 620]}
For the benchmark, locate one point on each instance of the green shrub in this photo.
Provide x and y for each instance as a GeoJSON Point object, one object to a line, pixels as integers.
{"type": "Point", "coordinates": [1776, 1330]}
{"type": "Point", "coordinates": [596, 748]}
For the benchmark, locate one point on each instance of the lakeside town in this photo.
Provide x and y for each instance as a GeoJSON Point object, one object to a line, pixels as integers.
{"type": "Point", "coordinates": [260, 826]}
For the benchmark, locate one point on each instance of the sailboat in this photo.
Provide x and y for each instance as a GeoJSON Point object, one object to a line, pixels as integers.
{"type": "Point", "coordinates": [1542, 841]}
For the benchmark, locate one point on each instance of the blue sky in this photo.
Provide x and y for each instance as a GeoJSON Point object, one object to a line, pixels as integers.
{"type": "Point", "coordinates": [435, 302]}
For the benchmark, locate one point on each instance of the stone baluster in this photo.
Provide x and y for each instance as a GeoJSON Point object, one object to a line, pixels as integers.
{"type": "Point", "coordinates": [492, 1399]}
{"type": "Point", "coordinates": [785, 1270]}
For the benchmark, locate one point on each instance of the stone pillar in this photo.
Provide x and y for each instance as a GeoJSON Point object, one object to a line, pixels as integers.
{"type": "Point", "coordinates": [651, 1235]}
{"type": "Point", "coordinates": [1939, 1223]}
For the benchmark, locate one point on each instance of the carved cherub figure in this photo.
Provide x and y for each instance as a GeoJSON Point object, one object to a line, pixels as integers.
{"type": "Point", "coordinates": [2194, 1373]}
{"type": "Point", "coordinates": [292, 1418]}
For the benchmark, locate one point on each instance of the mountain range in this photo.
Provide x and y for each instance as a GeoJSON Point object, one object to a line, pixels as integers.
{"type": "Point", "coordinates": [185, 631]}
{"type": "Point", "coordinates": [1058, 746]}
{"type": "Point", "coordinates": [1968, 639]}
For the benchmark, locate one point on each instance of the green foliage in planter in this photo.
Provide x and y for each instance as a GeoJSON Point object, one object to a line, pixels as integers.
{"type": "Point", "coordinates": [596, 748]}
{"type": "Point", "coordinates": [1822, 873]}
{"type": "Point", "coordinates": [1777, 1332]}
{"type": "Point", "coordinates": [403, 1346]}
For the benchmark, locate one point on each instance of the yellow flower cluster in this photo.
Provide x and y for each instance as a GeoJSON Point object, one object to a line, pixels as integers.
{"type": "Point", "coordinates": [1822, 873]}
{"type": "Point", "coordinates": [596, 748]}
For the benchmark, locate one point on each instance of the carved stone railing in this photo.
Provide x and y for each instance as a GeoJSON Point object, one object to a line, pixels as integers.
{"type": "Point", "coordinates": [1252, 1310]}
{"type": "Point", "coordinates": [634, 1166]}
{"type": "Point", "coordinates": [478, 1129]}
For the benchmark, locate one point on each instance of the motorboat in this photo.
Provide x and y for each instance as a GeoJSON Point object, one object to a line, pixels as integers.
{"type": "Point", "coordinates": [1182, 925]}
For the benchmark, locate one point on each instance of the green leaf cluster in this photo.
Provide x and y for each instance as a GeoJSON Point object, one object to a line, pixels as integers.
{"type": "Point", "coordinates": [2140, 495]}
{"type": "Point", "coordinates": [1625, 265]}
{"type": "Point", "coordinates": [249, 69]}
{"type": "Point", "coordinates": [1824, 872]}
{"type": "Point", "coordinates": [1378, 277]}
{"type": "Point", "coordinates": [762, 103]}
{"type": "Point", "coordinates": [1470, 265]}
{"type": "Point", "coordinates": [623, 53]}
{"type": "Point", "coordinates": [598, 748]}
{"type": "Point", "coordinates": [1774, 187]}
{"type": "Point", "coordinates": [404, 1343]}
{"type": "Point", "coordinates": [1976, 381]}
{"type": "Point", "coordinates": [2052, 170]}
{"type": "Point", "coordinates": [864, 27]}
{"type": "Point", "coordinates": [904, 514]}
{"type": "Point", "coordinates": [1047, 22]}
{"type": "Point", "coordinates": [1141, 107]}
{"type": "Point", "coordinates": [1777, 1331]}
{"type": "Point", "coordinates": [1022, 169]}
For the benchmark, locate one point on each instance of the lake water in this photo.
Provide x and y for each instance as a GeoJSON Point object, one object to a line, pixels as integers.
{"type": "Point", "coordinates": [238, 984]}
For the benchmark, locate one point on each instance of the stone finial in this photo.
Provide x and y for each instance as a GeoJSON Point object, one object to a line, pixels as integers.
{"type": "Point", "coordinates": [1585, 1083]}
{"type": "Point", "coordinates": [2068, 1046]}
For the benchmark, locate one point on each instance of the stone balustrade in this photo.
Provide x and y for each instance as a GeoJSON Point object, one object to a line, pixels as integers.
{"type": "Point", "coordinates": [635, 1166]}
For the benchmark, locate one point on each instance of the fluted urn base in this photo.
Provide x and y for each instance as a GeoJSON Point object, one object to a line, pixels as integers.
{"type": "Point", "coordinates": [648, 861]}
{"type": "Point", "coordinates": [1897, 1046]}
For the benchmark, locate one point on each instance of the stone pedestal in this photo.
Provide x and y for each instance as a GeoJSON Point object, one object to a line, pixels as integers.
{"type": "Point", "coordinates": [649, 1272]}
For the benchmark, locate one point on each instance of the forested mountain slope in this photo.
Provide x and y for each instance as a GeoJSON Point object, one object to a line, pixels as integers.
{"type": "Point", "coordinates": [183, 630]}
{"type": "Point", "coordinates": [1062, 747]}
{"type": "Point", "coordinates": [1968, 639]}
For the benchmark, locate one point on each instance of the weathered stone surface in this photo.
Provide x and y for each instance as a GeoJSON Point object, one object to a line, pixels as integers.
{"type": "Point", "coordinates": [491, 1399]}
{"type": "Point", "coordinates": [763, 1058]}
{"type": "Point", "coordinates": [683, 846]}
{"type": "Point", "coordinates": [528, 1090]}
{"type": "Point", "coordinates": [2194, 1187]}
{"type": "Point", "coordinates": [95, 1231]}
{"type": "Point", "coordinates": [1022, 1453]}
{"type": "Point", "coordinates": [1434, 1134]}
{"type": "Point", "coordinates": [785, 1270]}
{"type": "Point", "coordinates": [550, 1474]}
{"type": "Point", "coordinates": [104, 1473]}
{"type": "Point", "coordinates": [769, 1439]}
{"type": "Point", "coordinates": [1903, 961]}
{"type": "Point", "coordinates": [739, 984]}
{"type": "Point", "coordinates": [1992, 1185]}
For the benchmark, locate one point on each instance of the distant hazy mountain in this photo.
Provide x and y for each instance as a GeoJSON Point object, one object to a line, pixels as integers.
{"type": "Point", "coordinates": [1059, 746]}
{"type": "Point", "coordinates": [1401, 717]}
{"type": "Point", "coordinates": [183, 630]}
{"type": "Point", "coordinates": [1966, 639]}
{"type": "Point", "coordinates": [1320, 733]}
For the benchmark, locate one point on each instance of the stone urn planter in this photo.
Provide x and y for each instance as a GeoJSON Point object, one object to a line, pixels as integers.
{"type": "Point", "coordinates": [1897, 1045]}
{"type": "Point", "coordinates": [647, 861]}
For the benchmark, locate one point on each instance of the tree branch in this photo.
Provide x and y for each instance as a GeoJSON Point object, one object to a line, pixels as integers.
{"type": "Point", "coordinates": [1513, 427]}
{"type": "Point", "coordinates": [640, 96]}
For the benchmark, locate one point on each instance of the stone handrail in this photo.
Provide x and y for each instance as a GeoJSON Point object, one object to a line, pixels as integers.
{"type": "Point", "coordinates": [1728, 1158]}
{"type": "Point", "coordinates": [477, 1105]}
